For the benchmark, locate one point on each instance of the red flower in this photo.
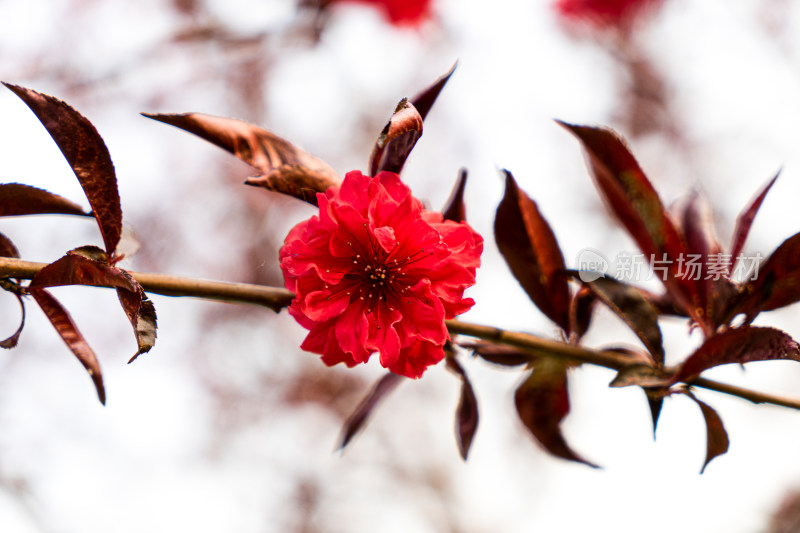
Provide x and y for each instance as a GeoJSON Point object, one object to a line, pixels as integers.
{"type": "Point", "coordinates": [604, 13]}
{"type": "Point", "coordinates": [375, 272]}
{"type": "Point", "coordinates": [398, 12]}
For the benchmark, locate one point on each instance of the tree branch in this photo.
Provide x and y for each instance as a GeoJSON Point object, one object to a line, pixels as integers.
{"type": "Point", "coordinates": [277, 298]}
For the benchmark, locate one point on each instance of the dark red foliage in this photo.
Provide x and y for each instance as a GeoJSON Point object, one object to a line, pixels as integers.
{"type": "Point", "coordinates": [360, 415]}
{"type": "Point", "coordinates": [396, 140]}
{"type": "Point", "coordinates": [454, 208]}
{"type": "Point", "coordinates": [542, 403]}
{"type": "Point", "coordinates": [66, 328]}
{"type": "Point", "coordinates": [284, 167]}
{"type": "Point", "coordinates": [18, 199]}
{"type": "Point", "coordinates": [88, 156]}
{"type": "Point", "coordinates": [531, 251]}
{"type": "Point", "coordinates": [739, 345]}
{"type": "Point", "coordinates": [467, 410]}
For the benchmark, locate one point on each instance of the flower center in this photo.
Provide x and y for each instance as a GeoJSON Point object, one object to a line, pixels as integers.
{"type": "Point", "coordinates": [378, 275]}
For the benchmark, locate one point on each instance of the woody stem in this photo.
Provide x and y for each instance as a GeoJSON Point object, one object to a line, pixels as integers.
{"type": "Point", "coordinates": [277, 298]}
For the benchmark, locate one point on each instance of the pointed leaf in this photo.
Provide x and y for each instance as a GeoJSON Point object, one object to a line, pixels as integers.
{"type": "Point", "coordinates": [7, 248]}
{"type": "Point", "coordinates": [75, 269]}
{"type": "Point", "coordinates": [531, 251]}
{"type": "Point", "coordinates": [542, 403]}
{"type": "Point", "coordinates": [360, 415]}
{"type": "Point", "coordinates": [285, 168]}
{"type": "Point", "coordinates": [739, 345]}
{"type": "Point", "coordinates": [581, 310]}
{"type": "Point", "coordinates": [634, 201]}
{"type": "Point", "coordinates": [18, 199]}
{"type": "Point", "coordinates": [12, 340]}
{"type": "Point", "coordinates": [142, 315]}
{"type": "Point", "coordinates": [86, 153]}
{"type": "Point", "coordinates": [499, 354]}
{"type": "Point", "coordinates": [467, 410]}
{"type": "Point", "coordinates": [424, 100]}
{"type": "Point", "coordinates": [655, 401]}
{"type": "Point", "coordinates": [642, 375]}
{"type": "Point", "coordinates": [69, 333]}
{"type": "Point", "coordinates": [745, 219]}
{"type": "Point", "coordinates": [716, 437]}
{"type": "Point", "coordinates": [777, 282]}
{"type": "Point", "coordinates": [454, 208]}
{"type": "Point", "coordinates": [630, 304]}
{"type": "Point", "coordinates": [396, 140]}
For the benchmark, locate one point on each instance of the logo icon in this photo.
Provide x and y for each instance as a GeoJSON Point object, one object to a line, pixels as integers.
{"type": "Point", "coordinates": [591, 264]}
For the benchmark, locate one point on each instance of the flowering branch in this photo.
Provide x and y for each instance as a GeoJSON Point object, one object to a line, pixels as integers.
{"type": "Point", "coordinates": [277, 298]}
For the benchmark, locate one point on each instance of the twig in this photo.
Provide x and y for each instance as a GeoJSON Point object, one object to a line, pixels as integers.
{"type": "Point", "coordinates": [276, 298]}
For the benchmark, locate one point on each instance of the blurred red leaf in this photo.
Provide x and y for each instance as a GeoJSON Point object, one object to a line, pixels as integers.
{"type": "Point", "coordinates": [467, 410]}
{"type": "Point", "coordinates": [739, 345]}
{"type": "Point", "coordinates": [643, 375]}
{"type": "Point", "coordinates": [13, 339]}
{"type": "Point", "coordinates": [542, 403]}
{"type": "Point", "coordinates": [285, 168]}
{"type": "Point", "coordinates": [396, 140]}
{"type": "Point", "coordinates": [634, 201]}
{"type": "Point", "coordinates": [655, 401]}
{"type": "Point", "coordinates": [454, 208]}
{"type": "Point", "coordinates": [716, 437]}
{"type": "Point", "coordinates": [69, 333]}
{"type": "Point", "coordinates": [581, 309]}
{"type": "Point", "coordinates": [745, 220]}
{"type": "Point", "coordinates": [498, 354]}
{"type": "Point", "coordinates": [424, 101]}
{"type": "Point", "coordinates": [86, 153]}
{"type": "Point", "coordinates": [18, 199]}
{"type": "Point", "coordinates": [630, 304]}
{"type": "Point", "coordinates": [531, 251]}
{"type": "Point", "coordinates": [359, 417]}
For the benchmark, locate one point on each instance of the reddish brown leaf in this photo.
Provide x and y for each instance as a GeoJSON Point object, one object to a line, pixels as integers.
{"type": "Point", "coordinates": [634, 201]}
{"type": "Point", "coordinates": [396, 140]}
{"type": "Point", "coordinates": [69, 333]}
{"type": "Point", "coordinates": [75, 269]}
{"type": "Point", "coordinates": [778, 280]}
{"type": "Point", "coordinates": [531, 251]}
{"type": "Point", "coordinates": [12, 340]}
{"type": "Point", "coordinates": [739, 345]}
{"type": "Point", "coordinates": [467, 410]}
{"type": "Point", "coordinates": [498, 354]}
{"type": "Point", "coordinates": [7, 248]}
{"type": "Point", "coordinates": [716, 437]}
{"type": "Point", "coordinates": [581, 309]}
{"type": "Point", "coordinates": [86, 153]}
{"type": "Point", "coordinates": [643, 375]}
{"type": "Point", "coordinates": [454, 208]}
{"type": "Point", "coordinates": [745, 219]}
{"type": "Point", "coordinates": [285, 168]}
{"type": "Point", "coordinates": [424, 100]}
{"type": "Point", "coordinates": [360, 415]}
{"type": "Point", "coordinates": [655, 401]}
{"type": "Point", "coordinates": [18, 199]}
{"type": "Point", "coordinates": [542, 403]}
{"type": "Point", "coordinates": [142, 315]}
{"type": "Point", "coordinates": [630, 304]}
